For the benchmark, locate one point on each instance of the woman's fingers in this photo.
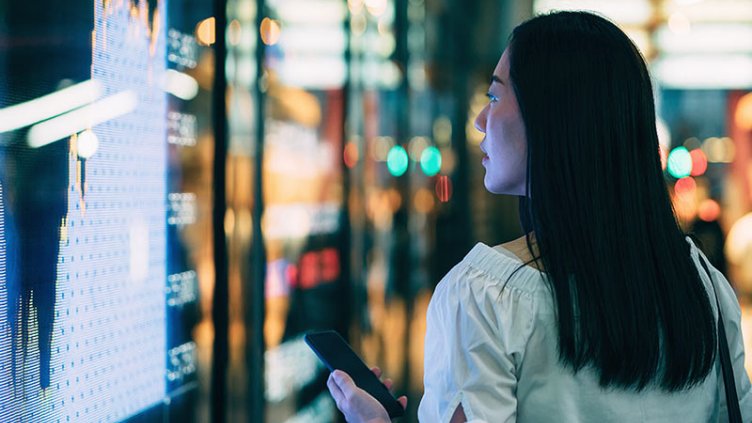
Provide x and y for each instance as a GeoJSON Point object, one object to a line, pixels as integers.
{"type": "Point", "coordinates": [387, 382]}
{"type": "Point", "coordinates": [335, 390]}
{"type": "Point", "coordinates": [356, 404]}
{"type": "Point", "coordinates": [344, 382]}
{"type": "Point", "coordinates": [376, 371]}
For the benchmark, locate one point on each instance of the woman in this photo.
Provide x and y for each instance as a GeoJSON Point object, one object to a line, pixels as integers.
{"type": "Point", "coordinates": [603, 311]}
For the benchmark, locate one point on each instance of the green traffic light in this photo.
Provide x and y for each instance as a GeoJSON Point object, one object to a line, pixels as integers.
{"type": "Point", "coordinates": [430, 161]}
{"type": "Point", "coordinates": [679, 163]}
{"type": "Point", "coordinates": [397, 161]}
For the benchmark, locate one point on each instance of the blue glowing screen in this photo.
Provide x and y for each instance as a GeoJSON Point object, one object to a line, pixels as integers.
{"type": "Point", "coordinates": [93, 276]}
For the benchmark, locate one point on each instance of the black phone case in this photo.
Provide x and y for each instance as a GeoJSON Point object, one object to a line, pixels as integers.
{"type": "Point", "coordinates": [336, 354]}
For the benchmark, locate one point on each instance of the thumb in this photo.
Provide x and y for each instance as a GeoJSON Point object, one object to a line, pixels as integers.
{"type": "Point", "coordinates": [345, 382]}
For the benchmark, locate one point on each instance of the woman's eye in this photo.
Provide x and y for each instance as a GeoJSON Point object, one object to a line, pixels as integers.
{"type": "Point", "coordinates": [492, 98]}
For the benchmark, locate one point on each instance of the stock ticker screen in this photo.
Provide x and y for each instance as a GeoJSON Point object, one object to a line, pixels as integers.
{"type": "Point", "coordinates": [97, 293]}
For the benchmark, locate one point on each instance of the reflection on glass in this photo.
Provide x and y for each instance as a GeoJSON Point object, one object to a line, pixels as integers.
{"type": "Point", "coordinates": [303, 196]}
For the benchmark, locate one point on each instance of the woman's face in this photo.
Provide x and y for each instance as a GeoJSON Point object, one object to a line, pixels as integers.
{"type": "Point", "coordinates": [504, 143]}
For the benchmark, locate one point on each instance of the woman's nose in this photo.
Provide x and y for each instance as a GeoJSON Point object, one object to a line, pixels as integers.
{"type": "Point", "coordinates": [480, 121]}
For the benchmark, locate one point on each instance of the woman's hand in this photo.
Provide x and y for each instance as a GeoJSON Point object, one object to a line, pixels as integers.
{"type": "Point", "coordinates": [356, 404]}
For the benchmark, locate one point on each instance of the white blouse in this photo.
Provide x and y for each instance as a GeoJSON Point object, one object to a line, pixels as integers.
{"type": "Point", "coordinates": [495, 351]}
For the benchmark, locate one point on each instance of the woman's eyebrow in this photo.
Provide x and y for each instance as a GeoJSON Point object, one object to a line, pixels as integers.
{"type": "Point", "coordinates": [495, 78]}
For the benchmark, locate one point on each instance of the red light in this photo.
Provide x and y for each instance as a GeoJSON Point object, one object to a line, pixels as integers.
{"type": "Point", "coordinates": [291, 273]}
{"type": "Point", "coordinates": [443, 188]}
{"type": "Point", "coordinates": [308, 271]}
{"type": "Point", "coordinates": [685, 187]}
{"type": "Point", "coordinates": [316, 268]}
{"type": "Point", "coordinates": [699, 162]}
{"type": "Point", "coordinates": [329, 264]}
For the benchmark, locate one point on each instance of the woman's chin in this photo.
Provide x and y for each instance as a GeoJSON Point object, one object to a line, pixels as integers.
{"type": "Point", "coordinates": [498, 187]}
{"type": "Point", "coordinates": [495, 188]}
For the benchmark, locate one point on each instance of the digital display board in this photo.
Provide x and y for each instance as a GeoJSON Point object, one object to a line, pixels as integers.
{"type": "Point", "coordinates": [96, 292]}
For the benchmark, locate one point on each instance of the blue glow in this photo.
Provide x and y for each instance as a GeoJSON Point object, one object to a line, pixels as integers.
{"type": "Point", "coordinates": [109, 347]}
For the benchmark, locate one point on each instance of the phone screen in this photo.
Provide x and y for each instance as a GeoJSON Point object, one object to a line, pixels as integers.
{"type": "Point", "coordinates": [336, 354]}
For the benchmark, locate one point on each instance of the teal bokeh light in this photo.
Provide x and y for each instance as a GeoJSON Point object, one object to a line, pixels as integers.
{"type": "Point", "coordinates": [679, 163]}
{"type": "Point", "coordinates": [397, 161]}
{"type": "Point", "coordinates": [430, 161]}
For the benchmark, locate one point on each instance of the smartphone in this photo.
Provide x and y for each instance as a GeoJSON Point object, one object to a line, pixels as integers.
{"type": "Point", "coordinates": [336, 354]}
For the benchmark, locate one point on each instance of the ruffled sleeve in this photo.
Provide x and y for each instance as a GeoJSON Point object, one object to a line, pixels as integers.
{"type": "Point", "coordinates": [477, 329]}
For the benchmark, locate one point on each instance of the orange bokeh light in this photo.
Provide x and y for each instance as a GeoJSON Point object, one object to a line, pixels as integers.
{"type": "Point", "coordinates": [423, 201]}
{"type": "Point", "coordinates": [205, 31]}
{"type": "Point", "coordinates": [351, 155]}
{"type": "Point", "coordinates": [743, 113]}
{"type": "Point", "coordinates": [709, 210]}
{"type": "Point", "coordinates": [270, 31]}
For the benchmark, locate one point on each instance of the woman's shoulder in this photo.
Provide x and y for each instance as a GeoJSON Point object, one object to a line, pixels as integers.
{"type": "Point", "coordinates": [489, 268]}
{"type": "Point", "coordinates": [489, 293]}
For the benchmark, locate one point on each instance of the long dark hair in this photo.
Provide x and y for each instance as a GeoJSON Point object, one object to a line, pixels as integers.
{"type": "Point", "coordinates": [629, 300]}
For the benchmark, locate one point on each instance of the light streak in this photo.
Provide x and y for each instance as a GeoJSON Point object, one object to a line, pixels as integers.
{"type": "Point", "coordinates": [86, 117]}
{"type": "Point", "coordinates": [50, 105]}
